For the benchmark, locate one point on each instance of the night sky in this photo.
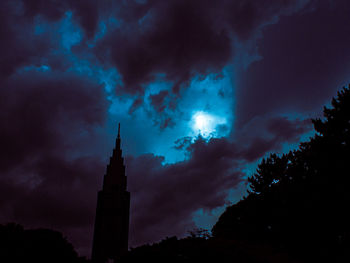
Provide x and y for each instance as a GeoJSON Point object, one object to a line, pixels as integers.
{"type": "Point", "coordinates": [203, 91]}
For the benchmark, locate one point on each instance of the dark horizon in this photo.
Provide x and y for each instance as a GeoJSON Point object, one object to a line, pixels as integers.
{"type": "Point", "coordinates": [204, 91]}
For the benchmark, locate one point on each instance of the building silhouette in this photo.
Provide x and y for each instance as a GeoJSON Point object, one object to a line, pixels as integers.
{"type": "Point", "coordinates": [111, 230]}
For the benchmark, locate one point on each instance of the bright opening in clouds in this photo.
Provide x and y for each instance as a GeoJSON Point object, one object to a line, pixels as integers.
{"type": "Point", "coordinates": [206, 124]}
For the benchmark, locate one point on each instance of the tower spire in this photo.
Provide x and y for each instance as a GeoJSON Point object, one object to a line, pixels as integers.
{"type": "Point", "coordinates": [118, 130]}
{"type": "Point", "coordinates": [117, 141]}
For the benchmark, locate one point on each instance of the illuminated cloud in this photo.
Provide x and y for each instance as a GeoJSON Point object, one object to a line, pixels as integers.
{"type": "Point", "coordinates": [205, 124]}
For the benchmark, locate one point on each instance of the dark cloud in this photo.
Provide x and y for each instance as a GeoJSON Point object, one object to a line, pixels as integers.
{"type": "Point", "coordinates": [86, 12]}
{"type": "Point", "coordinates": [305, 59]}
{"type": "Point", "coordinates": [181, 39]}
{"type": "Point", "coordinates": [54, 193]}
{"type": "Point", "coordinates": [14, 32]}
{"type": "Point", "coordinates": [161, 103]}
{"type": "Point", "coordinates": [245, 17]}
{"type": "Point", "coordinates": [158, 100]}
{"type": "Point", "coordinates": [39, 109]}
{"type": "Point", "coordinates": [264, 135]}
{"type": "Point", "coordinates": [43, 182]}
{"type": "Point", "coordinates": [287, 130]}
{"type": "Point", "coordinates": [50, 9]}
{"type": "Point", "coordinates": [179, 43]}
{"type": "Point", "coordinates": [165, 197]}
{"type": "Point", "coordinates": [31, 34]}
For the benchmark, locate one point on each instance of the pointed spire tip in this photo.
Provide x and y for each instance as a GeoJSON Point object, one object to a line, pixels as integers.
{"type": "Point", "coordinates": [119, 130]}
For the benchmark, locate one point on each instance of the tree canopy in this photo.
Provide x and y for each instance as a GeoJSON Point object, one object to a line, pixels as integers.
{"type": "Point", "coordinates": [299, 201]}
{"type": "Point", "coordinates": [35, 245]}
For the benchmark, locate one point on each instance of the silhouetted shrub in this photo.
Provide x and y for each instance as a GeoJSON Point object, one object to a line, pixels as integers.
{"type": "Point", "coordinates": [35, 245]}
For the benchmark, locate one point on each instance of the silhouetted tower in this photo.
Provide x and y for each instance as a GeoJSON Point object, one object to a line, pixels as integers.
{"type": "Point", "coordinates": [112, 213]}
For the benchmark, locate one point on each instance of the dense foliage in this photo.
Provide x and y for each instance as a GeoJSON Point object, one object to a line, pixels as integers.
{"type": "Point", "coordinates": [35, 245]}
{"type": "Point", "coordinates": [299, 201]}
{"type": "Point", "coordinates": [201, 249]}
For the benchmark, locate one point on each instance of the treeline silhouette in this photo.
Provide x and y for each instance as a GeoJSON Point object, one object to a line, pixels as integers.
{"type": "Point", "coordinates": [205, 249]}
{"type": "Point", "coordinates": [35, 245]}
{"type": "Point", "coordinates": [299, 202]}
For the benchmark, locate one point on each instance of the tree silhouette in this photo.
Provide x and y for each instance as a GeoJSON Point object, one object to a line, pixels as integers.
{"type": "Point", "coordinates": [298, 202]}
{"type": "Point", "coordinates": [35, 245]}
{"type": "Point", "coordinates": [270, 171]}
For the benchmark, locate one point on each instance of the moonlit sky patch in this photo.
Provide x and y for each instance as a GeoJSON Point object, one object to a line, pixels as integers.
{"type": "Point", "coordinates": [202, 96]}
{"type": "Point", "coordinates": [205, 124]}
